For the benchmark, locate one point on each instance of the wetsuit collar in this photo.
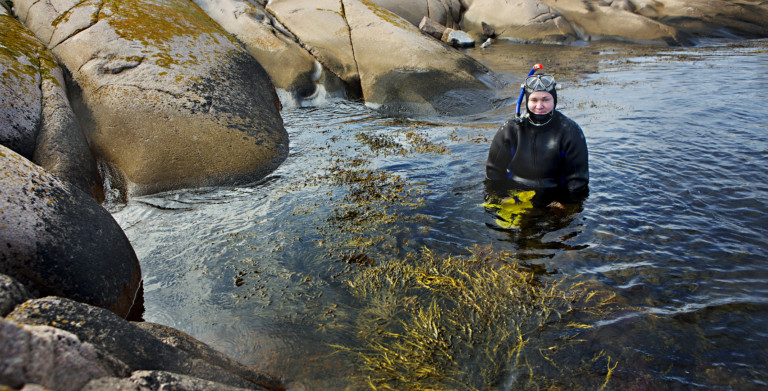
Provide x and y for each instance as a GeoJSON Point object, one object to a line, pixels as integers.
{"type": "Point", "coordinates": [541, 119]}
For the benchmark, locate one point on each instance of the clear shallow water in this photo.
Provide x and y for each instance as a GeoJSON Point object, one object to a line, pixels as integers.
{"type": "Point", "coordinates": [675, 224]}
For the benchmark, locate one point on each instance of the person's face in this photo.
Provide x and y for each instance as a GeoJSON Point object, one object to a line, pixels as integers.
{"type": "Point", "coordinates": [540, 102]}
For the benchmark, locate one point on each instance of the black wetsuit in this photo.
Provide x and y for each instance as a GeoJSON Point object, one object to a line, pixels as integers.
{"type": "Point", "coordinates": [551, 158]}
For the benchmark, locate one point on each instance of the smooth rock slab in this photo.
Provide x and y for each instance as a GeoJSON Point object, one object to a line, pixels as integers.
{"type": "Point", "coordinates": [418, 74]}
{"type": "Point", "coordinates": [398, 69]}
{"type": "Point", "coordinates": [169, 99]}
{"type": "Point", "coordinates": [56, 238]}
{"type": "Point", "coordinates": [274, 47]}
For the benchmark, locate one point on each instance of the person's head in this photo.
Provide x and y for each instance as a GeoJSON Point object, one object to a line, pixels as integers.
{"type": "Point", "coordinates": [540, 98]}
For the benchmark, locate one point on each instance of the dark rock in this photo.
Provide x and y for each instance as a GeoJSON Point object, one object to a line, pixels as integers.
{"type": "Point", "coordinates": [12, 293]}
{"type": "Point", "coordinates": [58, 239]}
{"type": "Point", "coordinates": [133, 345]}
{"type": "Point", "coordinates": [430, 27]}
{"type": "Point", "coordinates": [51, 358]}
{"type": "Point", "coordinates": [158, 380]}
{"type": "Point", "coordinates": [487, 30]}
{"type": "Point", "coordinates": [199, 350]}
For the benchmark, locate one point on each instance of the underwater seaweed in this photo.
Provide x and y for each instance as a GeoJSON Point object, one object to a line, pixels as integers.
{"type": "Point", "coordinates": [455, 322]}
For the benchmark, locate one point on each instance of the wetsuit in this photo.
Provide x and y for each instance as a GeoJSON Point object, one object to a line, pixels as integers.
{"type": "Point", "coordinates": [550, 158]}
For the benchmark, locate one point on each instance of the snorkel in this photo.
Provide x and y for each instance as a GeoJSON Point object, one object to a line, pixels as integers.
{"type": "Point", "coordinates": [535, 68]}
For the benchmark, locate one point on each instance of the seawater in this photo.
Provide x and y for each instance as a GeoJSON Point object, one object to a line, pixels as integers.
{"type": "Point", "coordinates": [675, 225]}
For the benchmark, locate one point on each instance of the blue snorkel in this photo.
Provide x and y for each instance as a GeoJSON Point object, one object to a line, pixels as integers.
{"type": "Point", "coordinates": [535, 68]}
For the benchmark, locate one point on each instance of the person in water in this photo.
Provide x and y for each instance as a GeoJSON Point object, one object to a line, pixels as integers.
{"type": "Point", "coordinates": [542, 150]}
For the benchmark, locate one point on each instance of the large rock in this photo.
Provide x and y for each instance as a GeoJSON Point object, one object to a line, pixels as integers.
{"type": "Point", "coordinates": [36, 119]}
{"type": "Point", "coordinates": [601, 21]}
{"type": "Point", "coordinates": [326, 37]}
{"type": "Point", "coordinates": [445, 12]}
{"type": "Point", "coordinates": [522, 20]}
{"type": "Point", "coordinates": [56, 238]}
{"type": "Point", "coordinates": [51, 358]}
{"type": "Point", "coordinates": [418, 75]}
{"type": "Point", "coordinates": [132, 345]}
{"type": "Point", "coordinates": [274, 47]}
{"type": "Point", "coordinates": [159, 380]}
{"type": "Point", "coordinates": [565, 21]}
{"type": "Point", "coordinates": [169, 98]}
{"type": "Point", "coordinates": [746, 18]}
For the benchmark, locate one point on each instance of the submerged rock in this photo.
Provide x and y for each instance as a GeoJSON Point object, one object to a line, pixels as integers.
{"type": "Point", "coordinates": [170, 99]}
{"type": "Point", "coordinates": [57, 239]}
{"type": "Point", "coordinates": [201, 351]}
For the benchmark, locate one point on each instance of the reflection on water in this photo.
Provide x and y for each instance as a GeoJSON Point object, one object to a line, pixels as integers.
{"type": "Point", "coordinates": [672, 234]}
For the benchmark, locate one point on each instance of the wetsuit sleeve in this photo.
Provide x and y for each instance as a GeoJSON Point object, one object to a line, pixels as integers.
{"type": "Point", "coordinates": [576, 164]}
{"type": "Point", "coordinates": [500, 154]}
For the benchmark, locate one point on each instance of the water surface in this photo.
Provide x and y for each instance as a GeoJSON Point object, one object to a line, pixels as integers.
{"type": "Point", "coordinates": [675, 225]}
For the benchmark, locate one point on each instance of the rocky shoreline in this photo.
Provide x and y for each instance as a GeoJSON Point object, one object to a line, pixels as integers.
{"type": "Point", "coordinates": [108, 99]}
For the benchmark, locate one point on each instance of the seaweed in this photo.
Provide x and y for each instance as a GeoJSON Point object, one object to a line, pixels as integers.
{"type": "Point", "coordinates": [460, 322]}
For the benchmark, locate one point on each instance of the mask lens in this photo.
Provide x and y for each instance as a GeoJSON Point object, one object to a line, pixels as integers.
{"type": "Point", "coordinates": [547, 81]}
{"type": "Point", "coordinates": [540, 82]}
